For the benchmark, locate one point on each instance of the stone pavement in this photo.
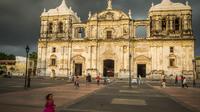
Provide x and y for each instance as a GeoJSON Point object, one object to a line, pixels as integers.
{"type": "Point", "coordinates": [33, 100]}
{"type": "Point", "coordinates": [189, 97]}
{"type": "Point", "coordinates": [118, 97]}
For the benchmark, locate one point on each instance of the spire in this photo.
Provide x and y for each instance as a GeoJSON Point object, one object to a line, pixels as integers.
{"type": "Point", "coordinates": [44, 10]}
{"type": "Point", "coordinates": [109, 4]}
{"type": "Point", "coordinates": [187, 3]}
{"type": "Point", "coordinates": [130, 14]}
{"type": "Point", "coordinates": [89, 15]}
{"type": "Point", "coordinates": [152, 4]}
{"type": "Point", "coordinates": [63, 2]}
{"type": "Point", "coordinates": [63, 5]}
{"type": "Point", "coordinates": [166, 1]}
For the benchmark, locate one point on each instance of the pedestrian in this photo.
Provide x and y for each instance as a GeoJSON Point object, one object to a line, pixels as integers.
{"type": "Point", "coordinates": [185, 82]}
{"type": "Point", "coordinates": [88, 79]}
{"type": "Point", "coordinates": [77, 85]}
{"type": "Point", "coordinates": [182, 78]}
{"type": "Point", "coordinates": [163, 84]}
{"type": "Point", "coordinates": [176, 80]}
{"type": "Point", "coordinates": [49, 106]}
{"type": "Point", "coordinates": [105, 80]}
{"type": "Point", "coordinates": [98, 79]}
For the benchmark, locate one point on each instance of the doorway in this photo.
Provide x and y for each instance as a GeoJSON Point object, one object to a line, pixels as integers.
{"type": "Point", "coordinates": [78, 69]}
{"type": "Point", "coordinates": [141, 70]}
{"type": "Point", "coordinates": [108, 68]}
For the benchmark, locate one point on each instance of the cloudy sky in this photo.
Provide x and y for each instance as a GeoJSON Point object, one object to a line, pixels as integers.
{"type": "Point", "coordinates": [20, 19]}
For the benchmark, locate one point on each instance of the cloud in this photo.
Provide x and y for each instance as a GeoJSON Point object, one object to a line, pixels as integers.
{"type": "Point", "coordinates": [20, 20]}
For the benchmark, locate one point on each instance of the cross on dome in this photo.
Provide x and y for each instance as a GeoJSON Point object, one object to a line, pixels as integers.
{"type": "Point", "coordinates": [109, 4]}
{"type": "Point", "coordinates": [63, 5]}
{"type": "Point", "coordinates": [166, 1]}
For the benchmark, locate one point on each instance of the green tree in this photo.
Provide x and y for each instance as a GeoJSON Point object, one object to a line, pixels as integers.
{"type": "Point", "coordinates": [198, 57]}
{"type": "Point", "coordinates": [4, 56]}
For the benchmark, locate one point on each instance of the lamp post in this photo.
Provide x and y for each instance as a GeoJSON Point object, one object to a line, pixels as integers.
{"type": "Point", "coordinates": [26, 85]}
{"type": "Point", "coordinates": [130, 56]}
{"type": "Point", "coordinates": [194, 72]}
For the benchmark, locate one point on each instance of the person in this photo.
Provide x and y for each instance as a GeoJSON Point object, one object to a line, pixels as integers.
{"type": "Point", "coordinates": [105, 80]}
{"type": "Point", "coordinates": [182, 78]}
{"type": "Point", "coordinates": [139, 80]}
{"type": "Point", "coordinates": [88, 79]}
{"type": "Point", "coordinates": [176, 80]}
{"type": "Point", "coordinates": [98, 79]}
{"type": "Point", "coordinates": [77, 82]}
{"type": "Point", "coordinates": [185, 82]}
{"type": "Point", "coordinates": [163, 85]}
{"type": "Point", "coordinates": [49, 106]}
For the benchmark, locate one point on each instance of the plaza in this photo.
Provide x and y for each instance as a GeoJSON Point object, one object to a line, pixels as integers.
{"type": "Point", "coordinates": [115, 97]}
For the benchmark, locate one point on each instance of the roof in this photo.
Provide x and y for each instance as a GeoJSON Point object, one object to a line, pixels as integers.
{"type": "Point", "coordinates": [62, 9]}
{"type": "Point", "coordinates": [166, 5]}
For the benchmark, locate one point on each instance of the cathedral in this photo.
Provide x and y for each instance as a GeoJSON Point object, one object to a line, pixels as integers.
{"type": "Point", "coordinates": [107, 43]}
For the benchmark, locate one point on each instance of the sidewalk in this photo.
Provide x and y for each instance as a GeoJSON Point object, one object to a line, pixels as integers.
{"type": "Point", "coordinates": [189, 97]}
{"type": "Point", "coordinates": [34, 100]}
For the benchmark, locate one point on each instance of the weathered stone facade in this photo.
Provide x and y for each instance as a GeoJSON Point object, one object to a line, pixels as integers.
{"type": "Point", "coordinates": [106, 43]}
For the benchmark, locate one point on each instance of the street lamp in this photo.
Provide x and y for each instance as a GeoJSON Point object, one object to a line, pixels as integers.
{"type": "Point", "coordinates": [130, 70]}
{"type": "Point", "coordinates": [27, 85]}
{"type": "Point", "coordinates": [194, 72]}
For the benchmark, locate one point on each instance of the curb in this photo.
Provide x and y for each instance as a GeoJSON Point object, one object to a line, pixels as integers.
{"type": "Point", "coordinates": [193, 109]}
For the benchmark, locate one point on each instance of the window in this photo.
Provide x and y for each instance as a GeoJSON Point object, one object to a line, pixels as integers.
{"type": "Point", "coordinates": [50, 28]}
{"type": "Point", "coordinates": [171, 62]}
{"type": "Point", "coordinates": [53, 62]}
{"type": "Point", "coordinates": [177, 24]}
{"type": "Point", "coordinates": [141, 32]}
{"type": "Point", "coordinates": [81, 32]}
{"type": "Point", "coordinates": [164, 24]}
{"type": "Point", "coordinates": [109, 34]}
{"type": "Point", "coordinates": [60, 27]}
{"type": "Point", "coordinates": [171, 49]}
{"type": "Point", "coordinates": [53, 49]}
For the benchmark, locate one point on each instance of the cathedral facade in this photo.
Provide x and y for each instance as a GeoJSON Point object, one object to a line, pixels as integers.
{"type": "Point", "coordinates": [107, 43]}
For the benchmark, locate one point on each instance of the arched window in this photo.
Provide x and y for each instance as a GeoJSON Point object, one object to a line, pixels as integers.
{"type": "Point", "coordinates": [50, 28]}
{"type": "Point", "coordinates": [109, 34]}
{"type": "Point", "coordinates": [53, 60]}
{"type": "Point", "coordinates": [60, 27]}
{"type": "Point", "coordinates": [164, 24]}
{"type": "Point", "coordinates": [177, 24]}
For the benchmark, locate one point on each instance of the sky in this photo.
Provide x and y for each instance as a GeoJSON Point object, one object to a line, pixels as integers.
{"type": "Point", "coordinates": [20, 19]}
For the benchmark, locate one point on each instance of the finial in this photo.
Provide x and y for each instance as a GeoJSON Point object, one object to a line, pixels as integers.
{"type": "Point", "coordinates": [63, 2]}
{"type": "Point", "coordinates": [70, 8]}
{"type": "Point", "coordinates": [130, 14]}
{"type": "Point", "coordinates": [89, 15]}
{"type": "Point", "coordinates": [164, 1]}
{"type": "Point", "coordinates": [152, 4]}
{"type": "Point", "coordinates": [187, 3]}
{"type": "Point", "coordinates": [44, 10]}
{"type": "Point", "coordinates": [109, 4]}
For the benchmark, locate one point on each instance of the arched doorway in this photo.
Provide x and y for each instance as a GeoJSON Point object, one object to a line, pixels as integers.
{"type": "Point", "coordinates": [108, 68]}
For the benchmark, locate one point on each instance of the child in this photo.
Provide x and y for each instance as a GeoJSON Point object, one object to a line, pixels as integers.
{"type": "Point", "coordinates": [49, 106]}
{"type": "Point", "coordinates": [98, 79]}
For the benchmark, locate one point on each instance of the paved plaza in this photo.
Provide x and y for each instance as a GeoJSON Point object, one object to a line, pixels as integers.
{"type": "Point", "coordinates": [115, 97]}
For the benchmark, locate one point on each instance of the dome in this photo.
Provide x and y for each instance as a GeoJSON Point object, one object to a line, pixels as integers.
{"type": "Point", "coordinates": [60, 10]}
{"type": "Point", "coordinates": [166, 5]}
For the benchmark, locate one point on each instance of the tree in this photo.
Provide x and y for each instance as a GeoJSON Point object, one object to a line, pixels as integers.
{"type": "Point", "coordinates": [33, 56]}
{"type": "Point", "coordinates": [4, 56]}
{"type": "Point", "coordinates": [197, 57]}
